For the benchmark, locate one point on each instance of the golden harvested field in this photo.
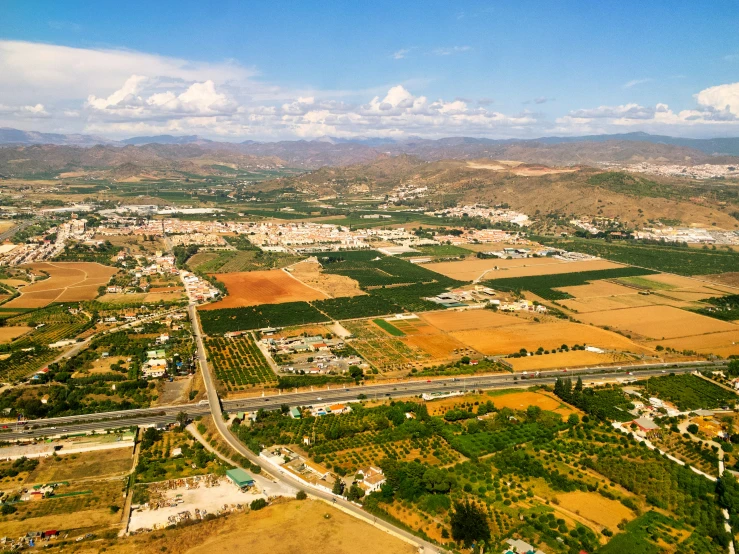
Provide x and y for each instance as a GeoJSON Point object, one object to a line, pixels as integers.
{"type": "Point", "coordinates": [596, 508]}
{"type": "Point", "coordinates": [471, 269]}
{"type": "Point", "coordinates": [98, 463]}
{"type": "Point", "coordinates": [143, 297]}
{"type": "Point", "coordinates": [522, 400]}
{"type": "Point", "coordinates": [252, 288]}
{"type": "Point", "coordinates": [310, 531]}
{"type": "Point", "coordinates": [722, 344]}
{"type": "Point", "coordinates": [597, 304]}
{"type": "Point", "coordinates": [452, 320]}
{"type": "Point", "coordinates": [309, 272]}
{"type": "Point", "coordinates": [657, 322]}
{"type": "Point", "coordinates": [421, 335]}
{"type": "Point", "coordinates": [67, 282]}
{"type": "Point", "coordinates": [680, 282]}
{"type": "Point", "coordinates": [101, 365]}
{"type": "Point", "coordinates": [7, 334]}
{"type": "Point", "coordinates": [598, 288]}
{"type": "Point", "coordinates": [575, 358]}
{"type": "Point", "coordinates": [531, 336]}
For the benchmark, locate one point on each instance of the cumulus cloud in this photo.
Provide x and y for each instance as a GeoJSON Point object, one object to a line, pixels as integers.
{"type": "Point", "coordinates": [28, 111]}
{"type": "Point", "coordinates": [720, 98]}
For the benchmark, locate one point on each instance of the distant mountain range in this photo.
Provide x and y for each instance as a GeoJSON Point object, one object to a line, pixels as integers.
{"type": "Point", "coordinates": [329, 151]}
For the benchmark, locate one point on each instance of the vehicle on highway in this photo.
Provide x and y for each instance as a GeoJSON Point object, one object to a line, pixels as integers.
{"type": "Point", "coordinates": [319, 398]}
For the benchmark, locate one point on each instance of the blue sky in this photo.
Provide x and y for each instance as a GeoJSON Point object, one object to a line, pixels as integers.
{"type": "Point", "coordinates": [276, 70]}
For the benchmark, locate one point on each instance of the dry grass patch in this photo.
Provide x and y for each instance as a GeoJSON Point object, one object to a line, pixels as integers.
{"type": "Point", "coordinates": [310, 272]}
{"type": "Point", "coordinates": [575, 358]}
{"type": "Point", "coordinates": [721, 344]}
{"type": "Point", "coordinates": [98, 463]}
{"type": "Point", "coordinates": [470, 269]}
{"type": "Point", "coordinates": [7, 334]}
{"type": "Point", "coordinates": [596, 508]}
{"type": "Point", "coordinates": [657, 322]}
{"type": "Point", "coordinates": [253, 288]}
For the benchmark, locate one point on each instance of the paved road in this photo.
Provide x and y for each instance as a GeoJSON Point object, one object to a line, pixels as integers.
{"type": "Point", "coordinates": [168, 414]}
{"type": "Point", "coordinates": [281, 476]}
{"type": "Point", "coordinates": [13, 230]}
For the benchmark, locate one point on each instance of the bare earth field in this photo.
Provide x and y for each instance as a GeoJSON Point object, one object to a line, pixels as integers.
{"type": "Point", "coordinates": [67, 282]}
{"type": "Point", "coordinates": [515, 400]}
{"type": "Point", "coordinates": [115, 461]}
{"type": "Point", "coordinates": [309, 272]}
{"type": "Point", "coordinates": [289, 528]}
{"type": "Point", "coordinates": [471, 269]}
{"type": "Point", "coordinates": [658, 322]}
{"type": "Point", "coordinates": [596, 508]}
{"type": "Point", "coordinates": [7, 334]}
{"type": "Point", "coordinates": [531, 336]}
{"type": "Point", "coordinates": [602, 303]}
{"type": "Point", "coordinates": [143, 297]}
{"type": "Point", "coordinates": [252, 288]}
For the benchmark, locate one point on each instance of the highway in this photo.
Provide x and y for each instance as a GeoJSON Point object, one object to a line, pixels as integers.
{"type": "Point", "coordinates": [333, 393]}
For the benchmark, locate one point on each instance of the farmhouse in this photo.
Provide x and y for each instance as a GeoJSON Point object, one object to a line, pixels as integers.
{"type": "Point", "coordinates": [645, 426]}
{"type": "Point", "coordinates": [372, 478]}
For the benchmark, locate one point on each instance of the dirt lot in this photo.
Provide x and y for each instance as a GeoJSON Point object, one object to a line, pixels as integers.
{"type": "Point", "coordinates": [529, 335]}
{"type": "Point", "coordinates": [310, 530]}
{"type": "Point", "coordinates": [658, 322]}
{"type": "Point", "coordinates": [115, 461]}
{"type": "Point", "coordinates": [596, 508]}
{"type": "Point", "coordinates": [68, 282]}
{"type": "Point", "coordinates": [309, 272]}
{"type": "Point", "coordinates": [7, 334]}
{"type": "Point", "coordinates": [252, 288]}
{"type": "Point", "coordinates": [470, 269]}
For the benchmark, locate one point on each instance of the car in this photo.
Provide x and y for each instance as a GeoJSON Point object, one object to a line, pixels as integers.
{"type": "Point", "coordinates": [266, 399]}
{"type": "Point", "coordinates": [387, 394]}
{"type": "Point", "coordinates": [65, 430]}
{"type": "Point", "coordinates": [319, 398]}
{"type": "Point", "coordinates": [347, 390]}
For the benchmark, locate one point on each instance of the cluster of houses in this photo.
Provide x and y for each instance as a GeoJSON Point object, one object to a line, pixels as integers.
{"type": "Point", "coordinates": [479, 297]}
{"type": "Point", "coordinates": [197, 288]}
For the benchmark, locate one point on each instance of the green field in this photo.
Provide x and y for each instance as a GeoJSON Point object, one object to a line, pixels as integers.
{"type": "Point", "coordinates": [216, 322]}
{"type": "Point", "coordinates": [670, 259]}
{"type": "Point", "coordinates": [389, 327]}
{"type": "Point", "coordinates": [544, 285]}
{"type": "Point", "coordinates": [689, 392]}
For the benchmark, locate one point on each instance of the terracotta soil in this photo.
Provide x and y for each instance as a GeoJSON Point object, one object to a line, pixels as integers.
{"type": "Point", "coordinates": [252, 288]}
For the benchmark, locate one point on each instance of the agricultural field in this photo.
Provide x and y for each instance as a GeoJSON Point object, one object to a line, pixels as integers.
{"type": "Point", "coordinates": [67, 282]}
{"type": "Point", "coordinates": [254, 288]}
{"type": "Point", "coordinates": [356, 307]}
{"type": "Point", "coordinates": [536, 474]}
{"type": "Point", "coordinates": [689, 392]}
{"type": "Point", "coordinates": [494, 268]}
{"type": "Point", "coordinates": [9, 334]}
{"type": "Point", "coordinates": [570, 359]}
{"type": "Point", "coordinates": [452, 320]}
{"type": "Point", "coordinates": [235, 261]}
{"type": "Point", "coordinates": [311, 273]}
{"type": "Point", "coordinates": [238, 363]}
{"type": "Point", "coordinates": [532, 335]}
{"type": "Point", "coordinates": [382, 351]}
{"type": "Point", "coordinates": [658, 322]}
{"type": "Point", "coordinates": [545, 285]}
{"type": "Point", "coordinates": [371, 269]}
{"type": "Point", "coordinates": [670, 259]}
{"type": "Point", "coordinates": [719, 344]}
{"type": "Point", "coordinates": [217, 322]}
{"type": "Point", "coordinates": [85, 465]}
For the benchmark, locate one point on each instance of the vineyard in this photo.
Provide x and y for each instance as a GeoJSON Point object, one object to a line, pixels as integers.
{"type": "Point", "coordinates": [238, 363]}
{"type": "Point", "coordinates": [21, 364]}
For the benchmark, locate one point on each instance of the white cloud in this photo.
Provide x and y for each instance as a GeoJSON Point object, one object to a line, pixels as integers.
{"type": "Point", "coordinates": [28, 111]}
{"type": "Point", "coordinates": [720, 98]}
{"type": "Point", "coordinates": [448, 51]}
{"type": "Point", "coordinates": [400, 54]}
{"type": "Point", "coordinates": [635, 82]}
